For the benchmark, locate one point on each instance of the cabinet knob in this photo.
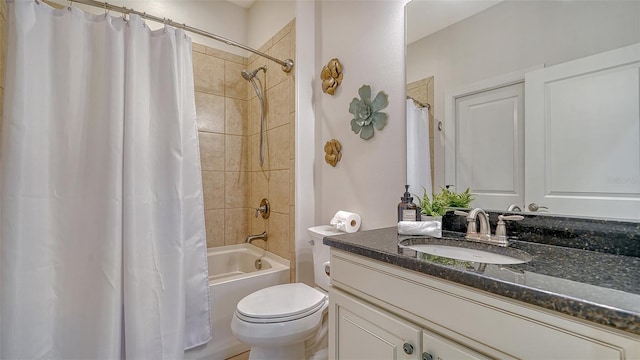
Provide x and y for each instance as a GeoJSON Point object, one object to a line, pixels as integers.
{"type": "Point", "coordinates": [427, 356]}
{"type": "Point", "coordinates": [408, 348]}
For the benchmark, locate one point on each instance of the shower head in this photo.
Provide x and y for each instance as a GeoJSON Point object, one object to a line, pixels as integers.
{"type": "Point", "coordinates": [250, 75]}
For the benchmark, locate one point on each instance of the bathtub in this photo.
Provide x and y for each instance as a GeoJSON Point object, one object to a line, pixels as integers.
{"type": "Point", "coordinates": [232, 276]}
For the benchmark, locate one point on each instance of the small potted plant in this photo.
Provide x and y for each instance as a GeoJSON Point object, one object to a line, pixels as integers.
{"type": "Point", "coordinates": [433, 209]}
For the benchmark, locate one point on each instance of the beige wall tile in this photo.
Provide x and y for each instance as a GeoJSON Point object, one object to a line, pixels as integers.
{"type": "Point", "coordinates": [210, 110]}
{"type": "Point", "coordinates": [235, 226]}
{"type": "Point", "coordinates": [236, 153]}
{"type": "Point", "coordinates": [278, 145]}
{"type": "Point", "coordinates": [213, 189]}
{"type": "Point", "coordinates": [235, 189]}
{"type": "Point", "coordinates": [253, 124]}
{"type": "Point", "coordinates": [199, 48]}
{"type": "Point", "coordinates": [231, 150]}
{"type": "Point", "coordinates": [292, 182]}
{"type": "Point", "coordinates": [234, 85]}
{"type": "Point", "coordinates": [279, 50]}
{"type": "Point", "coordinates": [292, 229]}
{"type": "Point", "coordinates": [214, 223]}
{"type": "Point", "coordinates": [258, 188]}
{"type": "Point", "coordinates": [292, 268]}
{"type": "Point", "coordinates": [226, 55]}
{"type": "Point", "coordinates": [278, 106]}
{"type": "Point", "coordinates": [211, 151]}
{"type": "Point", "coordinates": [292, 93]}
{"type": "Point", "coordinates": [254, 153]}
{"type": "Point", "coordinates": [292, 43]}
{"type": "Point", "coordinates": [264, 48]}
{"type": "Point", "coordinates": [236, 116]}
{"type": "Point", "coordinates": [258, 225]}
{"type": "Point", "coordinates": [208, 74]}
{"type": "Point", "coordinates": [278, 231]}
{"type": "Point", "coordinates": [279, 191]}
{"type": "Point", "coordinates": [292, 135]}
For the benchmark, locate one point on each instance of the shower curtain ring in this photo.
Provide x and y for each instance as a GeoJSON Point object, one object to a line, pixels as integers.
{"type": "Point", "coordinates": [70, 3]}
{"type": "Point", "coordinates": [106, 11]}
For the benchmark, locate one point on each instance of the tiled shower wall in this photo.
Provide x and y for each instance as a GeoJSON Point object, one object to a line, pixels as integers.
{"type": "Point", "coordinates": [229, 130]}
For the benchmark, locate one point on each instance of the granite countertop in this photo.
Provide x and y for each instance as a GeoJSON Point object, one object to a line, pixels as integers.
{"type": "Point", "coordinates": [595, 286]}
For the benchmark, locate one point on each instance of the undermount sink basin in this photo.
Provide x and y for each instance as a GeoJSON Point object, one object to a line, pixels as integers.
{"type": "Point", "coordinates": [466, 251]}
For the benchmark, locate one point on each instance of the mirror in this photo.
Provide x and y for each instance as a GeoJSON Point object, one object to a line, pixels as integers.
{"type": "Point", "coordinates": [469, 41]}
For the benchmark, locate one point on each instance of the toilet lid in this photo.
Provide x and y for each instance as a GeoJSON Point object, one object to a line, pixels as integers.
{"type": "Point", "coordinates": [278, 303]}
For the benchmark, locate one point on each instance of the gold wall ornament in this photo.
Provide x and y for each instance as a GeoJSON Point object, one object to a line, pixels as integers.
{"type": "Point", "coordinates": [332, 150]}
{"type": "Point", "coordinates": [331, 76]}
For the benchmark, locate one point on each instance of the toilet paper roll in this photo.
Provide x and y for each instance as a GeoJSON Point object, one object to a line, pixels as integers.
{"type": "Point", "coordinates": [346, 221]}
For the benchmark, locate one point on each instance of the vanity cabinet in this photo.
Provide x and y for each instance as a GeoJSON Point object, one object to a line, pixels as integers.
{"type": "Point", "coordinates": [382, 311]}
{"type": "Point", "coordinates": [368, 332]}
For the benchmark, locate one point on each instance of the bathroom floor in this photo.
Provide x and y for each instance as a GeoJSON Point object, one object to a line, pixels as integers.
{"type": "Point", "coordinates": [243, 356]}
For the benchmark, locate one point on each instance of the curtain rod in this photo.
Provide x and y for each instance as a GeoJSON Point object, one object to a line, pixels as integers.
{"type": "Point", "coordinates": [418, 103]}
{"type": "Point", "coordinates": [287, 64]}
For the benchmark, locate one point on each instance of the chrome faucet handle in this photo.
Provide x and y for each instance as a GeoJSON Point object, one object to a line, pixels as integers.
{"type": "Point", "coordinates": [264, 209]}
{"type": "Point", "coordinates": [501, 229]}
{"type": "Point", "coordinates": [461, 213]}
{"type": "Point", "coordinates": [471, 222]}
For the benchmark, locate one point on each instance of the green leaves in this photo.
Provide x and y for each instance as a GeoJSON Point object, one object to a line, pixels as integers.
{"type": "Point", "coordinates": [442, 201]}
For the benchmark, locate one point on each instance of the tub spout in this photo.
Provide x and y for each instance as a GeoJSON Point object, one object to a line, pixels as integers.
{"type": "Point", "coordinates": [262, 236]}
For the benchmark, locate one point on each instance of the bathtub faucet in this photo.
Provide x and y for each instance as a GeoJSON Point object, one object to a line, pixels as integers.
{"type": "Point", "coordinates": [262, 236]}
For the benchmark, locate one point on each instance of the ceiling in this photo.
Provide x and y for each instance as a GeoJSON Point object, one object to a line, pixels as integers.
{"type": "Point", "coordinates": [424, 17]}
{"type": "Point", "coordinates": [244, 3]}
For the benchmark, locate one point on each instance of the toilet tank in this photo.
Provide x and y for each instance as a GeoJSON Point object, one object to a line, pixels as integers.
{"type": "Point", "coordinates": [321, 252]}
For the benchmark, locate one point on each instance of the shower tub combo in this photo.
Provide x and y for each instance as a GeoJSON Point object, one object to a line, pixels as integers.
{"type": "Point", "coordinates": [235, 271]}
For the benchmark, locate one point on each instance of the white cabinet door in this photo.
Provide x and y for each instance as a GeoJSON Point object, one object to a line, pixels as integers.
{"type": "Point", "coordinates": [358, 330]}
{"type": "Point", "coordinates": [583, 135]}
{"type": "Point", "coordinates": [436, 347]}
{"type": "Point", "coordinates": [490, 150]}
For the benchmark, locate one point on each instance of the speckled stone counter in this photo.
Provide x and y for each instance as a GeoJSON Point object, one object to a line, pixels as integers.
{"type": "Point", "coordinates": [595, 286]}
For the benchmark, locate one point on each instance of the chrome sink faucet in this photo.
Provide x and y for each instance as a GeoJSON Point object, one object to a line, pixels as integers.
{"type": "Point", "coordinates": [484, 236]}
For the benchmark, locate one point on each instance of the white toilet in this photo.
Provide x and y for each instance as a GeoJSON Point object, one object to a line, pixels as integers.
{"type": "Point", "coordinates": [288, 321]}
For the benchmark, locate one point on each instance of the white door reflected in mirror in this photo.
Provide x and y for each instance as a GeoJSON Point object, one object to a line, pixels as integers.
{"type": "Point", "coordinates": [589, 156]}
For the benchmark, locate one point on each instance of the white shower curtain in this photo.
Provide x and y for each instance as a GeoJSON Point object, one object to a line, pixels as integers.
{"type": "Point", "coordinates": [418, 150]}
{"type": "Point", "coordinates": [103, 251]}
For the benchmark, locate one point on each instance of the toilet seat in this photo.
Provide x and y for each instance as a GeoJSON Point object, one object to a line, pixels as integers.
{"type": "Point", "coordinates": [280, 303]}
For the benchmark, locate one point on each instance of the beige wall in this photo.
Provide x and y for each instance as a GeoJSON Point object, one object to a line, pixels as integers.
{"type": "Point", "coordinates": [229, 131]}
{"type": "Point", "coordinates": [368, 38]}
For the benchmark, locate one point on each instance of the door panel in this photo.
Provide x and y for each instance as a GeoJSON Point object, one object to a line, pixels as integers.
{"type": "Point", "coordinates": [583, 136]}
{"type": "Point", "coordinates": [489, 158]}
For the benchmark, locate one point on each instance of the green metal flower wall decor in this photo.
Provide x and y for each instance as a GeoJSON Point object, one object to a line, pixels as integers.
{"type": "Point", "coordinates": [366, 113]}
